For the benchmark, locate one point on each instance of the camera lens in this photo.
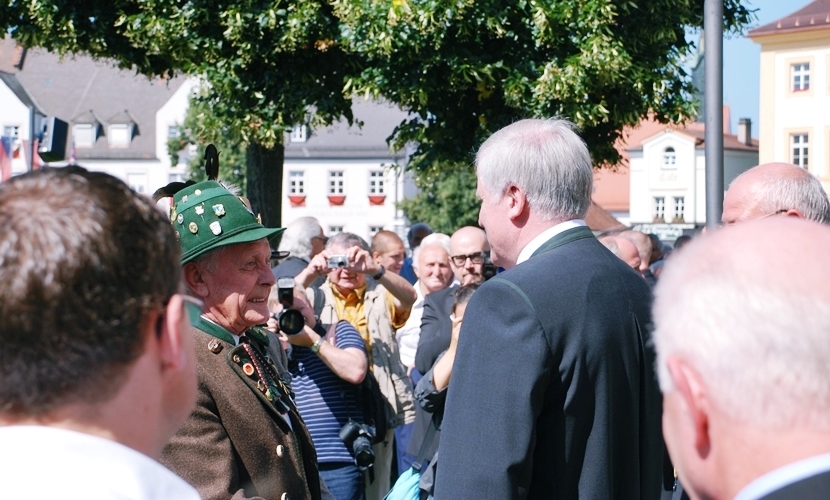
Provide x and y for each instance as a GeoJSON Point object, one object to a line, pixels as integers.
{"type": "Point", "coordinates": [291, 321]}
{"type": "Point", "coordinates": [363, 454]}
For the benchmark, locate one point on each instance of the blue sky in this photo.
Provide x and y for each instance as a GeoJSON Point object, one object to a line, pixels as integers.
{"type": "Point", "coordinates": [741, 62]}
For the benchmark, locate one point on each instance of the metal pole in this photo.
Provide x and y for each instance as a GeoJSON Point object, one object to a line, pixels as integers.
{"type": "Point", "coordinates": [713, 108]}
{"type": "Point", "coordinates": [32, 134]}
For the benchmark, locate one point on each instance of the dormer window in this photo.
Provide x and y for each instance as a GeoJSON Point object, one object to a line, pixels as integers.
{"type": "Point", "coordinates": [669, 158]}
{"type": "Point", "coordinates": [299, 133]}
{"type": "Point", "coordinates": [84, 134]}
{"type": "Point", "coordinates": [121, 129]}
{"type": "Point", "coordinates": [119, 135]}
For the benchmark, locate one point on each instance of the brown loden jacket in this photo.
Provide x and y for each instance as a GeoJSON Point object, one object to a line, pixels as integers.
{"type": "Point", "coordinates": [235, 445]}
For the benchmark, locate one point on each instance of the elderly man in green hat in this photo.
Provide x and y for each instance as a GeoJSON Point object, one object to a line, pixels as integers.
{"type": "Point", "coordinates": [245, 439]}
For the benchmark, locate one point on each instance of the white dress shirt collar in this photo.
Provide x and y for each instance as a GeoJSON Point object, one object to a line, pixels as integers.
{"type": "Point", "coordinates": [784, 476]}
{"type": "Point", "coordinates": [545, 235]}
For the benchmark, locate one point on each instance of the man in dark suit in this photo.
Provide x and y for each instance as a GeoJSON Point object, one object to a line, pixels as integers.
{"type": "Point", "coordinates": [467, 248]}
{"type": "Point", "coordinates": [742, 333]}
{"type": "Point", "coordinates": [553, 393]}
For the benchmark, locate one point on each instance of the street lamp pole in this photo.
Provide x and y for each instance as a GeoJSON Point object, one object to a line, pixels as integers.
{"type": "Point", "coordinates": [713, 108]}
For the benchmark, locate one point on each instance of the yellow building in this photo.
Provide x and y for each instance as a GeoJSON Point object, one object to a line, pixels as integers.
{"type": "Point", "coordinates": [795, 89]}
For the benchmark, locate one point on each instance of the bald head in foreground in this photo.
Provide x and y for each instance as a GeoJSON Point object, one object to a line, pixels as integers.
{"type": "Point", "coordinates": [775, 189]}
{"type": "Point", "coordinates": [742, 334]}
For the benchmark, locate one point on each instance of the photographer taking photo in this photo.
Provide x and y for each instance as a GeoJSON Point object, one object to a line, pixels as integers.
{"type": "Point", "coordinates": [377, 303]}
{"type": "Point", "coordinates": [324, 378]}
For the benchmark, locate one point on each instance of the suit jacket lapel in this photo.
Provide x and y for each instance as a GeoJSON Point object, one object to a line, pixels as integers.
{"type": "Point", "coordinates": [563, 238]}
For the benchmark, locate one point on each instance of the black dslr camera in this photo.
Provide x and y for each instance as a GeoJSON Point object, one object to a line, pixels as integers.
{"type": "Point", "coordinates": [291, 321]}
{"type": "Point", "coordinates": [358, 438]}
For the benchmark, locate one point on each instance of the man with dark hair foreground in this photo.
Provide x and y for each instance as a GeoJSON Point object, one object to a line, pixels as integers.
{"type": "Point", "coordinates": [742, 333]}
{"type": "Point", "coordinates": [97, 367]}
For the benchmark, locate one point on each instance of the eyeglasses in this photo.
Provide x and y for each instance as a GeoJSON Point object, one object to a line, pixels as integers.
{"type": "Point", "coordinates": [475, 258]}
{"type": "Point", "coordinates": [778, 212]}
{"type": "Point", "coordinates": [194, 307]}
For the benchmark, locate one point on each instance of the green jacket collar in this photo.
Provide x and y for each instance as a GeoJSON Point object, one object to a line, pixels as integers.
{"type": "Point", "coordinates": [220, 333]}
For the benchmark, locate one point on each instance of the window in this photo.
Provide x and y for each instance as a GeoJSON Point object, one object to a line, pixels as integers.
{"type": "Point", "coordinates": [679, 208]}
{"type": "Point", "coordinates": [172, 131]}
{"type": "Point", "coordinates": [373, 230]}
{"type": "Point", "coordinates": [659, 209]}
{"type": "Point", "coordinates": [84, 134]}
{"type": "Point", "coordinates": [669, 158]}
{"type": "Point", "coordinates": [336, 182]}
{"type": "Point", "coordinates": [298, 133]}
{"type": "Point", "coordinates": [137, 182]}
{"type": "Point", "coordinates": [296, 183]}
{"type": "Point", "coordinates": [801, 77]}
{"type": "Point", "coordinates": [119, 135]}
{"type": "Point", "coordinates": [335, 229]}
{"type": "Point", "coordinates": [799, 145]}
{"type": "Point", "coordinates": [375, 182]}
{"type": "Point", "coordinates": [12, 131]}
{"type": "Point", "coordinates": [173, 177]}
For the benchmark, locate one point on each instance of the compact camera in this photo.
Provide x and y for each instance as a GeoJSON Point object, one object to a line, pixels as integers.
{"type": "Point", "coordinates": [338, 261]}
{"type": "Point", "coordinates": [358, 438]}
{"type": "Point", "coordinates": [291, 321]}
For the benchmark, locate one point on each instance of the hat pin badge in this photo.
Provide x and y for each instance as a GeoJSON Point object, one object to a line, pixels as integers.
{"type": "Point", "coordinates": [200, 210]}
{"type": "Point", "coordinates": [216, 228]}
{"type": "Point", "coordinates": [219, 210]}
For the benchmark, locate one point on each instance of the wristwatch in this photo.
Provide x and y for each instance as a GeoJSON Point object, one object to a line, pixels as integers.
{"type": "Point", "coordinates": [380, 273]}
{"type": "Point", "coordinates": [315, 348]}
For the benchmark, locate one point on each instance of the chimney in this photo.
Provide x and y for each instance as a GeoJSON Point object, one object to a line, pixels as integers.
{"type": "Point", "coordinates": [745, 131]}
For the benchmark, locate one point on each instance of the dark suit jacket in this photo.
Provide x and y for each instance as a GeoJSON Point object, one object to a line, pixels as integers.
{"type": "Point", "coordinates": [436, 328]}
{"type": "Point", "coordinates": [235, 444]}
{"type": "Point", "coordinates": [812, 488]}
{"type": "Point", "coordinates": [553, 393]}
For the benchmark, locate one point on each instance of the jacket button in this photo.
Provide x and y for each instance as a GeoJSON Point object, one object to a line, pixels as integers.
{"type": "Point", "coordinates": [284, 496]}
{"type": "Point", "coordinates": [214, 346]}
{"type": "Point", "coordinates": [280, 450]}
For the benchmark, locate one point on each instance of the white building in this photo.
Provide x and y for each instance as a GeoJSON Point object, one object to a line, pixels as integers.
{"type": "Point", "coordinates": [347, 177]}
{"type": "Point", "coordinates": [668, 176]}
{"type": "Point", "coordinates": [795, 89]}
{"type": "Point", "coordinates": [118, 122]}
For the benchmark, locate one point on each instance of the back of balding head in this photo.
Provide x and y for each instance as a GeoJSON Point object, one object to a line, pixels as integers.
{"type": "Point", "coordinates": [774, 188]}
{"type": "Point", "coordinates": [749, 308]}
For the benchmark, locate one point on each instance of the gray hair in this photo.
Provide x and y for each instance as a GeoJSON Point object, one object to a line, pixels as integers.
{"type": "Point", "coordinates": [759, 343]}
{"type": "Point", "coordinates": [800, 192]}
{"type": "Point", "coordinates": [416, 254]}
{"type": "Point", "coordinates": [347, 240]}
{"type": "Point", "coordinates": [547, 160]}
{"type": "Point", "coordinates": [297, 237]}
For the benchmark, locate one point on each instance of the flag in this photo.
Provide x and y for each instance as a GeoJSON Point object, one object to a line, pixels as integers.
{"type": "Point", "coordinates": [5, 158]}
{"type": "Point", "coordinates": [73, 159]}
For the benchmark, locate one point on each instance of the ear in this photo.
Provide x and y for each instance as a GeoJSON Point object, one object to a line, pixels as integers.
{"type": "Point", "coordinates": [516, 201]}
{"type": "Point", "coordinates": [375, 257]}
{"type": "Point", "coordinates": [195, 280]}
{"type": "Point", "coordinates": [794, 212]}
{"type": "Point", "coordinates": [698, 404]}
{"type": "Point", "coordinates": [172, 343]}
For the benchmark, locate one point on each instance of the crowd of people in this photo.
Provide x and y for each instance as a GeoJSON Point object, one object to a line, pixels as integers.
{"type": "Point", "coordinates": [146, 355]}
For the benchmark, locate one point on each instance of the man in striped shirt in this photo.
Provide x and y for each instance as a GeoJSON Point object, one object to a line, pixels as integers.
{"type": "Point", "coordinates": [324, 376]}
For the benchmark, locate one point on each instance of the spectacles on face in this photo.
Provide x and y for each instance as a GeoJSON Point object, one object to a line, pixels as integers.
{"type": "Point", "coordinates": [778, 212]}
{"type": "Point", "coordinates": [475, 258]}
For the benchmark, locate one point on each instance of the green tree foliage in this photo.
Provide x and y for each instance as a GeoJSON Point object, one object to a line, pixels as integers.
{"type": "Point", "coordinates": [470, 67]}
{"type": "Point", "coordinates": [447, 200]}
{"type": "Point", "coordinates": [269, 64]}
{"type": "Point", "coordinates": [201, 127]}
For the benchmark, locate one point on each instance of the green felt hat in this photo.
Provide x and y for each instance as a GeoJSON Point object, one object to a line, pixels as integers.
{"type": "Point", "coordinates": [208, 216]}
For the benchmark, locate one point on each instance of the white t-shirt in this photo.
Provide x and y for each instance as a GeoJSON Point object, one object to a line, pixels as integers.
{"type": "Point", "coordinates": [39, 462]}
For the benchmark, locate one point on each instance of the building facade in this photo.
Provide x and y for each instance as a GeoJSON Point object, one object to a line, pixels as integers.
{"type": "Point", "coordinates": [795, 89]}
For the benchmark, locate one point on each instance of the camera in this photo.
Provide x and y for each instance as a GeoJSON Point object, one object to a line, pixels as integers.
{"type": "Point", "coordinates": [358, 438]}
{"type": "Point", "coordinates": [291, 321]}
{"type": "Point", "coordinates": [488, 269]}
{"type": "Point", "coordinates": [338, 261]}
